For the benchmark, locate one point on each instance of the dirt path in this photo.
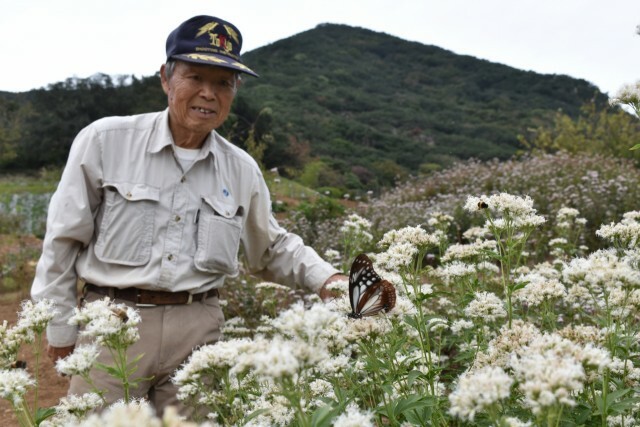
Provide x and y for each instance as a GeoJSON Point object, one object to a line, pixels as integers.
{"type": "Point", "coordinates": [52, 386]}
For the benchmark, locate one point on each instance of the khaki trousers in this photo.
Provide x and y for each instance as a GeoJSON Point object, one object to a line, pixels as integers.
{"type": "Point", "coordinates": [168, 334]}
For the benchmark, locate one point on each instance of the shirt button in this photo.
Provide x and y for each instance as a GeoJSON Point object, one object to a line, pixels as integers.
{"type": "Point", "coordinates": [183, 179]}
{"type": "Point", "coordinates": [177, 218]}
{"type": "Point", "coordinates": [128, 195]}
{"type": "Point", "coordinates": [170, 257]}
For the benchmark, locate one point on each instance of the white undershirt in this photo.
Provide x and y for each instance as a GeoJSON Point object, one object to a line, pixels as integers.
{"type": "Point", "coordinates": [186, 156]}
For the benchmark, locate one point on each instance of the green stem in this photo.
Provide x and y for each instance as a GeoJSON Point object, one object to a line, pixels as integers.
{"type": "Point", "coordinates": [85, 376]}
{"type": "Point", "coordinates": [122, 355]}
{"type": "Point", "coordinates": [37, 350]}
{"type": "Point", "coordinates": [605, 392]}
{"type": "Point", "coordinates": [23, 414]}
{"type": "Point", "coordinates": [294, 398]}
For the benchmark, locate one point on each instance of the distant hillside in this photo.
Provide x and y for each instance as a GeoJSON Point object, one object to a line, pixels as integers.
{"type": "Point", "coordinates": [335, 106]}
{"type": "Point", "coordinates": [359, 95]}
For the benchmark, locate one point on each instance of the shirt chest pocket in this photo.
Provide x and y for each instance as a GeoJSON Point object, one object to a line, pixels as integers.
{"type": "Point", "coordinates": [125, 232]}
{"type": "Point", "coordinates": [218, 236]}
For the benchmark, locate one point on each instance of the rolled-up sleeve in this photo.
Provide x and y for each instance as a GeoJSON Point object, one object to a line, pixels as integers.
{"type": "Point", "coordinates": [70, 227]}
{"type": "Point", "coordinates": [277, 255]}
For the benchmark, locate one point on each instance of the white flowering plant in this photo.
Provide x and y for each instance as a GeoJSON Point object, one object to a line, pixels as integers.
{"type": "Point", "coordinates": [15, 381]}
{"type": "Point", "coordinates": [511, 219]}
{"type": "Point", "coordinates": [629, 96]}
{"type": "Point", "coordinates": [480, 335]}
{"type": "Point", "coordinates": [356, 237]}
{"type": "Point", "coordinates": [113, 326]}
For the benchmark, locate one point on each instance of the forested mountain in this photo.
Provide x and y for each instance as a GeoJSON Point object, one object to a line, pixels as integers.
{"type": "Point", "coordinates": [335, 105]}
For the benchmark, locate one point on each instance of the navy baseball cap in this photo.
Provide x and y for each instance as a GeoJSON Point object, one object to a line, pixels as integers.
{"type": "Point", "coordinates": [207, 40]}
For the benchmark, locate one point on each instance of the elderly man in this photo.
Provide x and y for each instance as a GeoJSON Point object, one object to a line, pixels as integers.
{"type": "Point", "coordinates": [152, 209]}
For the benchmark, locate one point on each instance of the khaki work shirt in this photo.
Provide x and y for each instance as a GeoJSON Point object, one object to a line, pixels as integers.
{"type": "Point", "coordinates": [126, 214]}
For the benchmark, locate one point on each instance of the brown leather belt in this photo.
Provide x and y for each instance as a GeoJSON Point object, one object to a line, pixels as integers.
{"type": "Point", "coordinates": [144, 297]}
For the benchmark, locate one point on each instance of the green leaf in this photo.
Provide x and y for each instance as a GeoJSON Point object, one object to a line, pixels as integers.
{"type": "Point", "coordinates": [413, 376]}
{"type": "Point", "coordinates": [255, 414]}
{"type": "Point", "coordinates": [324, 416]}
{"type": "Point", "coordinates": [613, 404]}
{"type": "Point", "coordinates": [109, 370]}
{"type": "Point", "coordinates": [44, 413]}
{"type": "Point", "coordinates": [635, 147]}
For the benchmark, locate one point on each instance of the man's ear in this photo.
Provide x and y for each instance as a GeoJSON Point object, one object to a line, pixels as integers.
{"type": "Point", "coordinates": [163, 80]}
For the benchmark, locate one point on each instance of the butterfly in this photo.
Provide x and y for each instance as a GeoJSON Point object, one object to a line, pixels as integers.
{"type": "Point", "coordinates": [368, 293]}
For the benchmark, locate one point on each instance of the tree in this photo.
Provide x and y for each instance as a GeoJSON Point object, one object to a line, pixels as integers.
{"type": "Point", "coordinates": [13, 119]}
{"type": "Point", "coordinates": [609, 132]}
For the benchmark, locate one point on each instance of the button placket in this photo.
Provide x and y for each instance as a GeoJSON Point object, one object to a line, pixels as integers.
{"type": "Point", "coordinates": [174, 234]}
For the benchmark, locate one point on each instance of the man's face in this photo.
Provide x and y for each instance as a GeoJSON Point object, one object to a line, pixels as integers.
{"type": "Point", "coordinates": [199, 98]}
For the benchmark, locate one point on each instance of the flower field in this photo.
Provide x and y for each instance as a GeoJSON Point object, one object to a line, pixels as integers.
{"type": "Point", "coordinates": [518, 289]}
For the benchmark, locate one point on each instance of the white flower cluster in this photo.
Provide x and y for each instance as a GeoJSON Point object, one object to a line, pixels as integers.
{"type": "Point", "coordinates": [551, 369]}
{"type": "Point", "coordinates": [108, 322]}
{"type": "Point", "coordinates": [207, 360]}
{"type": "Point", "coordinates": [625, 234]}
{"type": "Point", "coordinates": [303, 346]}
{"type": "Point", "coordinates": [628, 94]}
{"type": "Point", "coordinates": [354, 417]}
{"type": "Point", "coordinates": [538, 289]}
{"type": "Point", "coordinates": [478, 390]}
{"type": "Point", "coordinates": [416, 236]}
{"type": "Point", "coordinates": [14, 384]}
{"type": "Point", "coordinates": [454, 272]}
{"type": "Point", "coordinates": [485, 307]}
{"type": "Point", "coordinates": [235, 327]}
{"type": "Point", "coordinates": [72, 409]}
{"type": "Point", "coordinates": [476, 233]}
{"type": "Point", "coordinates": [396, 257]}
{"type": "Point", "coordinates": [306, 324]}
{"type": "Point", "coordinates": [469, 252]}
{"type": "Point", "coordinates": [583, 334]}
{"type": "Point", "coordinates": [567, 218]}
{"type": "Point", "coordinates": [135, 413]}
{"type": "Point", "coordinates": [270, 286]}
{"type": "Point", "coordinates": [80, 361]}
{"type": "Point", "coordinates": [11, 338]}
{"type": "Point", "coordinates": [594, 278]}
{"type": "Point", "coordinates": [439, 220]}
{"type": "Point", "coordinates": [32, 319]}
{"type": "Point", "coordinates": [36, 316]}
{"type": "Point", "coordinates": [357, 227]}
{"type": "Point", "coordinates": [515, 211]}
{"type": "Point", "coordinates": [510, 340]}
{"type": "Point", "coordinates": [278, 358]}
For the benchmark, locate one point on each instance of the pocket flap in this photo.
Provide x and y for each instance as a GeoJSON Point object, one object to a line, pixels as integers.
{"type": "Point", "coordinates": [134, 192]}
{"type": "Point", "coordinates": [227, 210]}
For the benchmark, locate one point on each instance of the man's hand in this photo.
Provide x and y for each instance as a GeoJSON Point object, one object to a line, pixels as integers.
{"type": "Point", "coordinates": [56, 353]}
{"type": "Point", "coordinates": [326, 294]}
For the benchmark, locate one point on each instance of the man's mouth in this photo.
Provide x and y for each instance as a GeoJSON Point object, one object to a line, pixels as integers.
{"type": "Point", "coordinates": [203, 110]}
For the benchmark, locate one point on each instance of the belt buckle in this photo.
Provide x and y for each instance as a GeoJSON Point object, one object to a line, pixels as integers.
{"type": "Point", "coordinates": [139, 304]}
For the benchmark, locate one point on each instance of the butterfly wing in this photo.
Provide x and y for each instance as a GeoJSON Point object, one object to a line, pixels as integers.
{"type": "Point", "coordinates": [368, 292]}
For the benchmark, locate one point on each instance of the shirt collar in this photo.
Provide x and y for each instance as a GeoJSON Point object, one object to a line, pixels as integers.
{"type": "Point", "coordinates": [164, 138]}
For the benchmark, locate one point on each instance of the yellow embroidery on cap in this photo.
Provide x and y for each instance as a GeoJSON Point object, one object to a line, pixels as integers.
{"type": "Point", "coordinates": [206, 58]}
{"type": "Point", "coordinates": [206, 28]}
{"type": "Point", "coordinates": [219, 40]}
{"type": "Point", "coordinates": [232, 33]}
{"type": "Point", "coordinates": [239, 65]}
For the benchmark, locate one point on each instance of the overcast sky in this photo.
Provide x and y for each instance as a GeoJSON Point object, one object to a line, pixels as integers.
{"type": "Point", "coordinates": [46, 41]}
